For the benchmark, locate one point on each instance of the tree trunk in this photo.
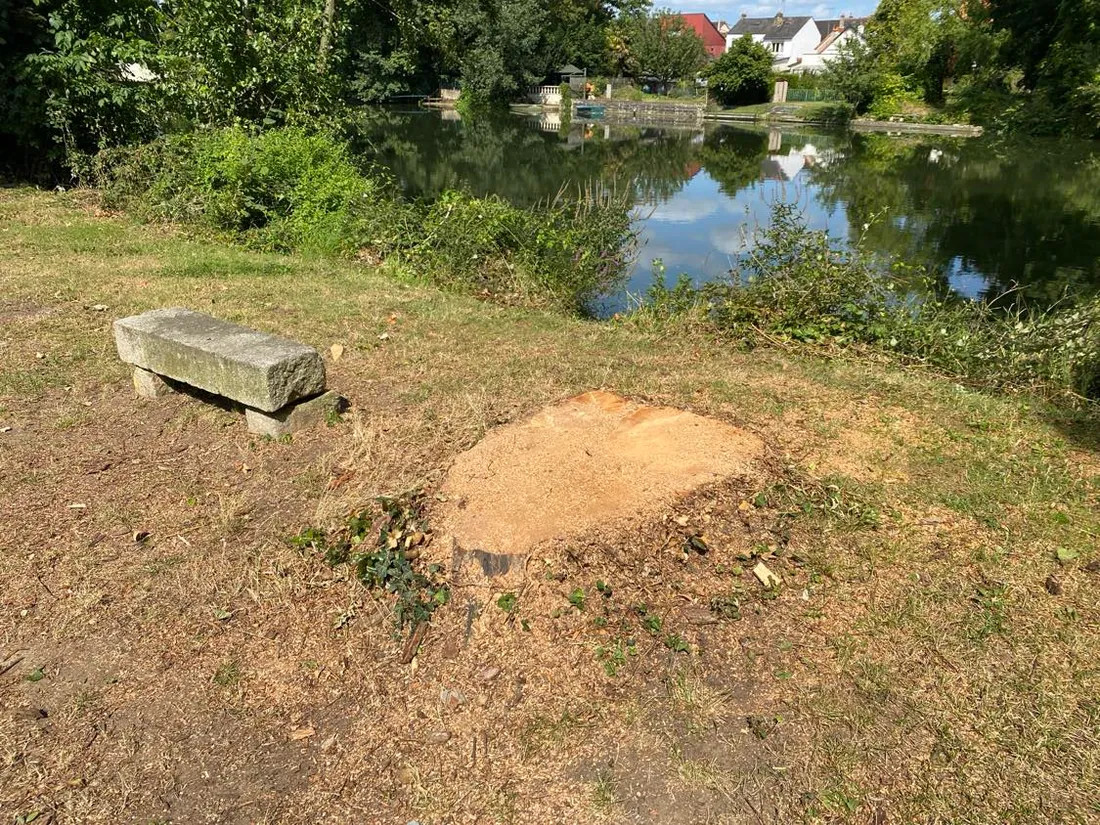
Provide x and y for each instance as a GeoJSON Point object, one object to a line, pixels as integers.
{"type": "Point", "coordinates": [326, 35]}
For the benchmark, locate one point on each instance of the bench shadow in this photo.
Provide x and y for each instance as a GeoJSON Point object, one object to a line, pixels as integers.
{"type": "Point", "coordinates": [206, 397]}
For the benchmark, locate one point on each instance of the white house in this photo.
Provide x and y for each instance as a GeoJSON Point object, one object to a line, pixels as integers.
{"type": "Point", "coordinates": [834, 34]}
{"type": "Point", "coordinates": [788, 38]}
{"type": "Point", "coordinates": [798, 44]}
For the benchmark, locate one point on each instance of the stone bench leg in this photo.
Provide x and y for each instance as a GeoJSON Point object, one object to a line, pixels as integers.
{"type": "Point", "coordinates": [299, 415]}
{"type": "Point", "coordinates": [150, 385]}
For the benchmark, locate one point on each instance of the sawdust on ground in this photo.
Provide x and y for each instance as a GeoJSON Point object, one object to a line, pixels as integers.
{"type": "Point", "coordinates": [590, 460]}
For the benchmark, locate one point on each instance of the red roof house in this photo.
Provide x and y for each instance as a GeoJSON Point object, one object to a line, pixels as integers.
{"type": "Point", "coordinates": [715, 43]}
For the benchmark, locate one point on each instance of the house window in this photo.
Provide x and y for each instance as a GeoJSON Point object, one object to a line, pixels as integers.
{"type": "Point", "coordinates": [777, 47]}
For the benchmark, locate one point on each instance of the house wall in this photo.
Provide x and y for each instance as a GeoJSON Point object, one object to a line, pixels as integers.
{"type": "Point", "coordinates": [714, 42]}
{"type": "Point", "coordinates": [803, 43]}
{"type": "Point", "coordinates": [813, 62]}
{"type": "Point", "coordinates": [756, 38]}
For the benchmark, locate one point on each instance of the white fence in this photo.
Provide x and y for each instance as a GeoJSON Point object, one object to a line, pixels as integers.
{"type": "Point", "coordinates": [546, 95]}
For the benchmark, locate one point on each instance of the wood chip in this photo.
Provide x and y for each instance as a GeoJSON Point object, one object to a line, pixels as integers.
{"type": "Point", "coordinates": [489, 673]}
{"type": "Point", "coordinates": [765, 576]}
{"type": "Point", "coordinates": [298, 734]}
{"type": "Point", "coordinates": [414, 642]}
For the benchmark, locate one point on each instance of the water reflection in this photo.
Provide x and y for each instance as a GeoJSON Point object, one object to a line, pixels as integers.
{"type": "Point", "coordinates": [982, 214]}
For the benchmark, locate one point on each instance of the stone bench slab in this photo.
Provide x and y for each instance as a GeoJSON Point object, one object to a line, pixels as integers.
{"type": "Point", "coordinates": [255, 369]}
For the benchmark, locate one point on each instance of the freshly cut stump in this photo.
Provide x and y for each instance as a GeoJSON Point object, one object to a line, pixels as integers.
{"type": "Point", "coordinates": [585, 462]}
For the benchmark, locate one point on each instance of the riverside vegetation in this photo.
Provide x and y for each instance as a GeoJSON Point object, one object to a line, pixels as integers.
{"type": "Point", "coordinates": [78, 76]}
{"type": "Point", "coordinates": [290, 189]}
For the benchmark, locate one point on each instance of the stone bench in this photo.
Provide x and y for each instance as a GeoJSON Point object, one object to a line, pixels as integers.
{"type": "Point", "coordinates": [280, 383]}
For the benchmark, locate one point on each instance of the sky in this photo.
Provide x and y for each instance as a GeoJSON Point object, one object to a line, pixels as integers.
{"type": "Point", "coordinates": [731, 10]}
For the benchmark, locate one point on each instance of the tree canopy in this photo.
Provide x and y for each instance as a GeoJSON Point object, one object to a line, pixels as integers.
{"type": "Point", "coordinates": [662, 47]}
{"type": "Point", "coordinates": [1027, 64]}
{"type": "Point", "coordinates": [742, 75]}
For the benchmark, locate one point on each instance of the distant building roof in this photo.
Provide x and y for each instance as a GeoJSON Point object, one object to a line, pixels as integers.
{"type": "Point", "coordinates": [570, 69]}
{"type": "Point", "coordinates": [828, 40]}
{"type": "Point", "coordinates": [708, 33]}
{"type": "Point", "coordinates": [773, 28]}
{"type": "Point", "coordinates": [827, 27]}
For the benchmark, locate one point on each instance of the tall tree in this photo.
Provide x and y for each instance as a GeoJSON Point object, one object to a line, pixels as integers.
{"type": "Point", "coordinates": [255, 60]}
{"type": "Point", "coordinates": [918, 39]}
{"type": "Point", "coordinates": [580, 31]}
{"type": "Point", "coordinates": [76, 73]}
{"type": "Point", "coordinates": [496, 47]}
{"type": "Point", "coordinates": [663, 47]}
{"type": "Point", "coordinates": [1057, 45]}
{"type": "Point", "coordinates": [394, 48]}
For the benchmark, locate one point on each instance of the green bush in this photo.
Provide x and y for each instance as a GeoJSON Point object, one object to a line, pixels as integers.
{"type": "Point", "coordinates": [289, 189]}
{"type": "Point", "coordinates": [742, 76]}
{"type": "Point", "coordinates": [282, 189]}
{"type": "Point", "coordinates": [853, 75]}
{"type": "Point", "coordinates": [803, 286]}
{"type": "Point", "coordinates": [629, 93]}
{"type": "Point", "coordinates": [892, 94]}
{"type": "Point", "coordinates": [562, 253]}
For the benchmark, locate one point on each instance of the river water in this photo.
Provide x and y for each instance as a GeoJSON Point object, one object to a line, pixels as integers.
{"type": "Point", "coordinates": [982, 213]}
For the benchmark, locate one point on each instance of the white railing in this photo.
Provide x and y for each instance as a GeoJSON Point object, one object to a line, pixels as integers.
{"type": "Point", "coordinates": [546, 95]}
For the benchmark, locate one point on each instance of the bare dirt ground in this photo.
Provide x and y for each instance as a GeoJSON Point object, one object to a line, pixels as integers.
{"type": "Point", "coordinates": [168, 655]}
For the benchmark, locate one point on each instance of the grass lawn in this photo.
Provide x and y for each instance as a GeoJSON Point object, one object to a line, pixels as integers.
{"type": "Point", "coordinates": [166, 655]}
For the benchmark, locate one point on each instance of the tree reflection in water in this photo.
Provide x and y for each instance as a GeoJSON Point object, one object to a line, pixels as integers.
{"type": "Point", "coordinates": [982, 213]}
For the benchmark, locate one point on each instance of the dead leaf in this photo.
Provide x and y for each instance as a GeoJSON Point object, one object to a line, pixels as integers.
{"type": "Point", "coordinates": [341, 479]}
{"type": "Point", "coordinates": [298, 734]}
{"type": "Point", "coordinates": [336, 351]}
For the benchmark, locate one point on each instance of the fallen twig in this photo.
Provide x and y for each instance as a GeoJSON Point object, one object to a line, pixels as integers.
{"type": "Point", "coordinates": [6, 667]}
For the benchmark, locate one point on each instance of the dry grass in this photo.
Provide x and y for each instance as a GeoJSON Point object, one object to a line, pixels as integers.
{"type": "Point", "coordinates": [914, 666]}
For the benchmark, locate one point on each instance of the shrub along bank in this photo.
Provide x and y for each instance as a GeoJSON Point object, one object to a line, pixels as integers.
{"type": "Point", "coordinates": [291, 189]}
{"type": "Point", "coordinates": [801, 286]}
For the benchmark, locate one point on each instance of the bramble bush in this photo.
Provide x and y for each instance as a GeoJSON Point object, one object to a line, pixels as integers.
{"type": "Point", "coordinates": [563, 252]}
{"type": "Point", "coordinates": [290, 189]}
{"type": "Point", "coordinates": [282, 189]}
{"type": "Point", "coordinates": [802, 286]}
